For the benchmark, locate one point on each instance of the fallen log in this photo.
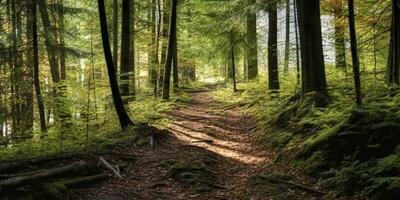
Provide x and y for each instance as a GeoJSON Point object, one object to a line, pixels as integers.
{"type": "Point", "coordinates": [42, 174]}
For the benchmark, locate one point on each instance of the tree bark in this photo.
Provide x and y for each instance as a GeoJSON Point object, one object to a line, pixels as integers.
{"type": "Point", "coordinates": [115, 33]}
{"type": "Point", "coordinates": [287, 38]}
{"type": "Point", "coordinates": [125, 67]}
{"type": "Point", "coordinates": [340, 41]}
{"type": "Point", "coordinates": [38, 92]}
{"type": "Point", "coordinates": [123, 117]}
{"type": "Point", "coordinates": [394, 49]}
{"type": "Point", "coordinates": [252, 57]}
{"type": "Point", "coordinates": [171, 41]}
{"type": "Point", "coordinates": [175, 69]}
{"type": "Point", "coordinates": [273, 75]}
{"type": "Point", "coordinates": [313, 67]}
{"type": "Point", "coordinates": [354, 53]}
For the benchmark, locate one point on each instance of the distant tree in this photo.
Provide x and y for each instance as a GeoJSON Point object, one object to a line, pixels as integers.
{"type": "Point", "coordinates": [123, 117]}
{"type": "Point", "coordinates": [354, 53]}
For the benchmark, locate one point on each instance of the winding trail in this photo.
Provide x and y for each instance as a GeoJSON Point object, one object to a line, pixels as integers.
{"type": "Point", "coordinates": [202, 128]}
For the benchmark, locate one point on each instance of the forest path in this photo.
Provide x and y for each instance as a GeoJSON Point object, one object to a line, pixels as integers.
{"type": "Point", "coordinates": [210, 154]}
{"type": "Point", "coordinates": [224, 131]}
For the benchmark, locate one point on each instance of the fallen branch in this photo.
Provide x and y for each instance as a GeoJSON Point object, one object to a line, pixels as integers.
{"type": "Point", "coordinates": [110, 167]}
{"type": "Point", "coordinates": [297, 185]}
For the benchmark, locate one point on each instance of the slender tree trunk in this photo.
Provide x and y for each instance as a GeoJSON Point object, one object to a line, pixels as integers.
{"type": "Point", "coordinates": [115, 33]}
{"type": "Point", "coordinates": [252, 57]}
{"type": "Point", "coordinates": [296, 28]}
{"type": "Point", "coordinates": [39, 97]}
{"type": "Point", "coordinates": [233, 63]}
{"type": "Point", "coordinates": [340, 45]}
{"type": "Point", "coordinates": [62, 42]}
{"type": "Point", "coordinates": [125, 67]}
{"type": "Point", "coordinates": [312, 58]}
{"type": "Point", "coordinates": [164, 41]}
{"type": "Point", "coordinates": [132, 52]}
{"type": "Point", "coordinates": [175, 69]}
{"type": "Point", "coordinates": [171, 41]}
{"type": "Point", "coordinates": [123, 117]}
{"type": "Point", "coordinates": [50, 41]}
{"type": "Point", "coordinates": [394, 50]}
{"type": "Point", "coordinates": [273, 75]}
{"type": "Point", "coordinates": [354, 56]}
{"type": "Point", "coordinates": [287, 38]}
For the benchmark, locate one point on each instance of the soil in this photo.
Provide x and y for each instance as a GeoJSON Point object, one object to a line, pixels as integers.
{"type": "Point", "coordinates": [211, 153]}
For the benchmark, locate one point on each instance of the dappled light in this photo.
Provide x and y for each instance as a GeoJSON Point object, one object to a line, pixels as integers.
{"type": "Point", "coordinates": [200, 99]}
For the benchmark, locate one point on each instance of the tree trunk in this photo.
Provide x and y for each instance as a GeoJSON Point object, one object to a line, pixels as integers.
{"type": "Point", "coordinates": [175, 69]}
{"type": "Point", "coordinates": [394, 49]}
{"type": "Point", "coordinates": [233, 66]}
{"type": "Point", "coordinates": [340, 42]}
{"type": "Point", "coordinates": [62, 42]}
{"type": "Point", "coordinates": [354, 56]}
{"type": "Point", "coordinates": [123, 117]}
{"type": "Point", "coordinates": [115, 33]}
{"type": "Point", "coordinates": [132, 51]}
{"type": "Point", "coordinates": [125, 67]}
{"type": "Point", "coordinates": [164, 41]}
{"type": "Point", "coordinates": [171, 41]}
{"type": "Point", "coordinates": [50, 41]}
{"type": "Point", "coordinates": [287, 38]}
{"type": "Point", "coordinates": [296, 28]}
{"type": "Point", "coordinates": [312, 58]}
{"type": "Point", "coordinates": [252, 57]}
{"type": "Point", "coordinates": [273, 75]}
{"type": "Point", "coordinates": [38, 92]}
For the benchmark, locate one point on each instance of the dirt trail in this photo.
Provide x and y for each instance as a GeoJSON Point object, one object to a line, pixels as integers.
{"type": "Point", "coordinates": [211, 154]}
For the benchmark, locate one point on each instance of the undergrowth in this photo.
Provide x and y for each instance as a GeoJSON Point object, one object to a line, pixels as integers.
{"type": "Point", "coordinates": [353, 150]}
{"type": "Point", "coordinates": [100, 130]}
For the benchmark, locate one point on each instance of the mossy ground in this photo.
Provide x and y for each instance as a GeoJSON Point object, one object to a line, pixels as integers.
{"type": "Point", "coordinates": [342, 144]}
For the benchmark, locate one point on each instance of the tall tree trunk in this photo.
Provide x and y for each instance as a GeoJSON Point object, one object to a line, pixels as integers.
{"type": "Point", "coordinates": [296, 28]}
{"type": "Point", "coordinates": [312, 58]}
{"type": "Point", "coordinates": [164, 41]}
{"type": "Point", "coordinates": [123, 117]}
{"type": "Point", "coordinates": [115, 33]}
{"type": "Point", "coordinates": [49, 41]}
{"type": "Point", "coordinates": [62, 42]}
{"type": "Point", "coordinates": [252, 57]}
{"type": "Point", "coordinates": [132, 51]}
{"type": "Point", "coordinates": [171, 41]}
{"type": "Point", "coordinates": [175, 69]}
{"type": "Point", "coordinates": [394, 50]}
{"type": "Point", "coordinates": [340, 42]}
{"type": "Point", "coordinates": [273, 75]}
{"type": "Point", "coordinates": [233, 67]}
{"type": "Point", "coordinates": [125, 67]}
{"type": "Point", "coordinates": [28, 79]}
{"type": "Point", "coordinates": [287, 38]}
{"type": "Point", "coordinates": [354, 55]}
{"type": "Point", "coordinates": [38, 92]}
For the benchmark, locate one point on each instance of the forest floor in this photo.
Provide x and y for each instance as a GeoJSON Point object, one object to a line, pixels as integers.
{"type": "Point", "coordinates": [211, 153]}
